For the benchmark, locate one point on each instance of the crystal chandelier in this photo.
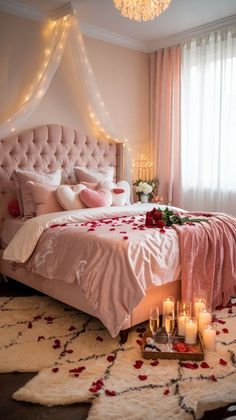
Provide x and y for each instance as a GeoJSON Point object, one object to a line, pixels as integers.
{"type": "Point", "coordinates": [141, 9]}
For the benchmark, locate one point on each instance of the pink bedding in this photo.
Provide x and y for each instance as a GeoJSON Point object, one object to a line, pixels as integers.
{"type": "Point", "coordinates": [112, 260]}
{"type": "Point", "coordinates": [208, 258]}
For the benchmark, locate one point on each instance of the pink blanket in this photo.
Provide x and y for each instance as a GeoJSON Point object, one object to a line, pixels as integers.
{"type": "Point", "coordinates": [208, 258]}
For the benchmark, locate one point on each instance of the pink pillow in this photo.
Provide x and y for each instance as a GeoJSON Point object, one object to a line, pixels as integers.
{"type": "Point", "coordinates": [21, 177]}
{"type": "Point", "coordinates": [91, 198]}
{"type": "Point", "coordinates": [94, 175]}
{"type": "Point", "coordinates": [44, 197]}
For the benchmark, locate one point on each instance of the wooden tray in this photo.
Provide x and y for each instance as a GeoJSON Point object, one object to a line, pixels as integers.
{"type": "Point", "coordinates": [197, 352]}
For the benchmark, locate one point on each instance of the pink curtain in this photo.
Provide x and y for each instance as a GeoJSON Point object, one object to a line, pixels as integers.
{"type": "Point", "coordinates": [165, 122]}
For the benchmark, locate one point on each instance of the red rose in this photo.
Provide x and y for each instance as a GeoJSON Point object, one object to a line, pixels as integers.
{"type": "Point", "coordinates": [160, 224]}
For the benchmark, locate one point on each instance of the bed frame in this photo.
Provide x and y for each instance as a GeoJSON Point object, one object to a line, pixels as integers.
{"type": "Point", "coordinates": [46, 149]}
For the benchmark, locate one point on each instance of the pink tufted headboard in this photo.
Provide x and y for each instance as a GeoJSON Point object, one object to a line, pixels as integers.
{"type": "Point", "coordinates": [48, 148]}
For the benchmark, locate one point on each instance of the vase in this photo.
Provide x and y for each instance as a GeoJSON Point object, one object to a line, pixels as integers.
{"type": "Point", "coordinates": [144, 198]}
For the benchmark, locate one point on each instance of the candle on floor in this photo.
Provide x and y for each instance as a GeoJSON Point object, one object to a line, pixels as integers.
{"type": "Point", "coordinates": [168, 304]}
{"type": "Point", "coordinates": [191, 331]}
{"type": "Point", "coordinates": [204, 319]}
{"type": "Point", "coordinates": [209, 338]}
{"type": "Point", "coordinates": [182, 319]}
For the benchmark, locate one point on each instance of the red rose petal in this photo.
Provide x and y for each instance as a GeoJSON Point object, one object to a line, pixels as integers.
{"type": "Point", "coordinates": [162, 230]}
{"type": "Point", "coordinates": [166, 392]}
{"type": "Point", "coordinates": [204, 365]}
{"type": "Point", "coordinates": [76, 375]}
{"type": "Point", "coordinates": [189, 365]}
{"type": "Point", "coordinates": [110, 358]}
{"type": "Point", "coordinates": [223, 362]}
{"type": "Point", "coordinates": [55, 370]}
{"type": "Point", "coordinates": [217, 332]}
{"type": "Point", "coordinates": [98, 338]}
{"type": "Point", "coordinates": [91, 230]}
{"type": "Point", "coordinates": [112, 229]}
{"type": "Point", "coordinates": [77, 370]}
{"type": "Point", "coordinates": [94, 389]}
{"type": "Point", "coordinates": [139, 342]}
{"type": "Point", "coordinates": [221, 322]}
{"type": "Point", "coordinates": [110, 393]}
{"type": "Point", "coordinates": [225, 330]}
{"type": "Point", "coordinates": [213, 378]}
{"type": "Point", "coordinates": [125, 238]}
{"type": "Point", "coordinates": [142, 377]}
{"type": "Point", "coordinates": [138, 364]}
{"type": "Point", "coordinates": [154, 363]}
{"type": "Point", "coordinates": [70, 351]}
{"type": "Point", "coordinates": [30, 325]}
{"type": "Point", "coordinates": [72, 328]}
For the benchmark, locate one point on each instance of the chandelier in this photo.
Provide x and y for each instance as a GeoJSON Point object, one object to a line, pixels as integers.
{"type": "Point", "coordinates": [141, 9]}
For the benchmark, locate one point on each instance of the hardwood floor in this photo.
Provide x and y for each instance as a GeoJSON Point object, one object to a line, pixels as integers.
{"type": "Point", "coordinates": [9, 382]}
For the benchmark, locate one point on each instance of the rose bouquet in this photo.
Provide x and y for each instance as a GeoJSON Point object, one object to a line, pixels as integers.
{"type": "Point", "coordinates": [160, 218]}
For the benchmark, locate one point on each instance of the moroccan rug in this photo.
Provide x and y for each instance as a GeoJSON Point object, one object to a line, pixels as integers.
{"type": "Point", "coordinates": [78, 361]}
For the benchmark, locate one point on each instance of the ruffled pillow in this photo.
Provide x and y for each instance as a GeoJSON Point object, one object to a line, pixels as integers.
{"type": "Point", "coordinates": [44, 197]}
{"type": "Point", "coordinates": [21, 177]}
{"type": "Point", "coordinates": [100, 198]}
{"type": "Point", "coordinates": [94, 175]}
{"type": "Point", "coordinates": [69, 196]}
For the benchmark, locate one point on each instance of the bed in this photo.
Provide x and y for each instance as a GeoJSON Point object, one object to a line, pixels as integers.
{"type": "Point", "coordinates": [49, 148]}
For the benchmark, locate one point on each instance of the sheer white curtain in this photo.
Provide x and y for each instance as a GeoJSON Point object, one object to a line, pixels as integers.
{"type": "Point", "coordinates": [208, 122]}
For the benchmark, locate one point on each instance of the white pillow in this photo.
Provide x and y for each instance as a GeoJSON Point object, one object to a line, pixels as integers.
{"type": "Point", "coordinates": [121, 198]}
{"type": "Point", "coordinates": [68, 196]}
{"type": "Point", "coordinates": [94, 175]}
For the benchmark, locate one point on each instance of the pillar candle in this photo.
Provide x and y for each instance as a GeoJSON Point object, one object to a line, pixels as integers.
{"type": "Point", "coordinates": [199, 305]}
{"type": "Point", "coordinates": [209, 338]}
{"type": "Point", "coordinates": [182, 319]}
{"type": "Point", "coordinates": [168, 305]}
{"type": "Point", "coordinates": [204, 319]}
{"type": "Point", "coordinates": [190, 331]}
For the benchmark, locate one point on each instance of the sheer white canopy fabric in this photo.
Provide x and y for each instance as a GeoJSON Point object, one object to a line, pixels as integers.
{"type": "Point", "coordinates": [42, 79]}
{"type": "Point", "coordinates": [62, 29]}
{"type": "Point", "coordinates": [208, 123]}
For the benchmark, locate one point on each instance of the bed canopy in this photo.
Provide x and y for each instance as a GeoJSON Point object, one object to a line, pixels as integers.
{"type": "Point", "coordinates": [61, 29]}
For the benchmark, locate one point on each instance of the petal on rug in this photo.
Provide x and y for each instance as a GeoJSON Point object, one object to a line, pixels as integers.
{"type": "Point", "coordinates": [63, 387]}
{"type": "Point", "coordinates": [38, 332]}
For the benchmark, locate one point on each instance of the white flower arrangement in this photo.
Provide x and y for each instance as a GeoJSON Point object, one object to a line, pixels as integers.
{"type": "Point", "coordinates": [144, 187]}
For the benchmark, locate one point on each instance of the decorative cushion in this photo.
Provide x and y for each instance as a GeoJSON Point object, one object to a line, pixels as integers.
{"type": "Point", "coordinates": [94, 175]}
{"type": "Point", "coordinates": [121, 194]}
{"type": "Point", "coordinates": [100, 198]}
{"type": "Point", "coordinates": [44, 197]}
{"type": "Point", "coordinates": [21, 177]}
{"type": "Point", "coordinates": [69, 196]}
{"type": "Point", "coordinates": [14, 208]}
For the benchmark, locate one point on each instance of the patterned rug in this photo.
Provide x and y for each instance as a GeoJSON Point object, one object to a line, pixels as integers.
{"type": "Point", "coordinates": [78, 361]}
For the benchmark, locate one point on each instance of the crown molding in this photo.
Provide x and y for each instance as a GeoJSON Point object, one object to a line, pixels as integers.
{"type": "Point", "coordinates": [113, 38]}
{"type": "Point", "coordinates": [20, 9]}
{"type": "Point", "coordinates": [32, 12]}
{"type": "Point", "coordinates": [181, 37]}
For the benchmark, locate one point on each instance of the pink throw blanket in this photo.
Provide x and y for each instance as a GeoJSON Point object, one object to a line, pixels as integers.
{"type": "Point", "coordinates": [208, 258]}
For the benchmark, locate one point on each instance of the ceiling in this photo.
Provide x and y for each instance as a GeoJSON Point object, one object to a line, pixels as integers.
{"type": "Point", "coordinates": [99, 18]}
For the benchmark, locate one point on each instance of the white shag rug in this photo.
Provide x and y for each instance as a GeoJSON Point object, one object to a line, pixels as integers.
{"type": "Point", "coordinates": [78, 361]}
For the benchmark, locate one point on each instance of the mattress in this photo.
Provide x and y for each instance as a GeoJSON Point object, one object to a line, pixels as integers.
{"type": "Point", "coordinates": [9, 228]}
